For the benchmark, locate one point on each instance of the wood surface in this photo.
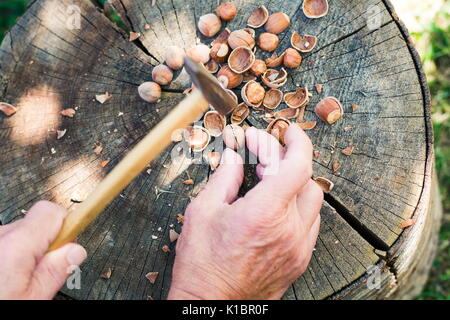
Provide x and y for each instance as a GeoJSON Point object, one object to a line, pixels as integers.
{"type": "Point", "coordinates": [46, 67]}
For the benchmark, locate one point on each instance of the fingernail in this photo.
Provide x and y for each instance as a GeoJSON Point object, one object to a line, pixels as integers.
{"type": "Point", "coordinates": [76, 255]}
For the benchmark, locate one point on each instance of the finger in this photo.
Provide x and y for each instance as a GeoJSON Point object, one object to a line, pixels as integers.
{"type": "Point", "coordinates": [265, 146]}
{"type": "Point", "coordinates": [54, 269]}
{"type": "Point", "coordinates": [309, 203]}
{"type": "Point", "coordinates": [224, 184]}
{"type": "Point", "coordinates": [36, 231]}
{"type": "Point", "coordinates": [283, 183]}
{"type": "Point", "coordinates": [313, 235]}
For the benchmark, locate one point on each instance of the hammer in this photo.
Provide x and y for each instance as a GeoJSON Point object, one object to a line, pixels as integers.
{"type": "Point", "coordinates": [209, 92]}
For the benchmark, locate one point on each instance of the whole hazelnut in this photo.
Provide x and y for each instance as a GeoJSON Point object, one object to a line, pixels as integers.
{"type": "Point", "coordinates": [253, 93]}
{"type": "Point", "coordinates": [199, 53]}
{"type": "Point", "coordinates": [233, 79]}
{"type": "Point", "coordinates": [268, 41]}
{"type": "Point", "coordinates": [209, 25]}
{"type": "Point", "coordinates": [226, 11]}
{"type": "Point", "coordinates": [234, 136]}
{"type": "Point", "coordinates": [292, 58]}
{"type": "Point", "coordinates": [174, 57]}
{"type": "Point", "coordinates": [150, 92]}
{"type": "Point", "coordinates": [241, 38]}
{"type": "Point", "coordinates": [277, 23]}
{"type": "Point", "coordinates": [258, 68]}
{"type": "Point", "coordinates": [162, 74]}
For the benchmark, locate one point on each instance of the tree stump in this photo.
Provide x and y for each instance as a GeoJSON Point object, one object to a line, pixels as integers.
{"type": "Point", "coordinates": [47, 66]}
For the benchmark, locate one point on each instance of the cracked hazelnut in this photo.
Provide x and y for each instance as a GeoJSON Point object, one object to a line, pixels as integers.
{"type": "Point", "coordinates": [315, 8]}
{"type": "Point", "coordinates": [241, 59]}
{"type": "Point", "coordinates": [162, 75]}
{"type": "Point", "coordinates": [150, 91]}
{"type": "Point", "coordinates": [234, 137]}
{"type": "Point", "coordinates": [275, 61]}
{"type": "Point", "coordinates": [273, 99]}
{"type": "Point", "coordinates": [258, 68]}
{"type": "Point", "coordinates": [228, 78]}
{"type": "Point", "coordinates": [209, 25]}
{"type": "Point", "coordinates": [258, 18]}
{"type": "Point", "coordinates": [239, 114]}
{"type": "Point", "coordinates": [297, 99]}
{"type": "Point", "coordinates": [214, 122]}
{"type": "Point", "coordinates": [174, 57]}
{"type": "Point", "coordinates": [197, 137]}
{"type": "Point", "coordinates": [303, 44]}
{"type": "Point", "coordinates": [274, 78]}
{"type": "Point", "coordinates": [200, 53]}
{"type": "Point", "coordinates": [268, 41]}
{"type": "Point", "coordinates": [241, 38]}
{"type": "Point", "coordinates": [292, 59]}
{"type": "Point", "coordinates": [220, 52]}
{"type": "Point", "coordinates": [277, 23]}
{"type": "Point", "coordinates": [226, 11]}
{"type": "Point", "coordinates": [253, 94]}
{"type": "Point", "coordinates": [278, 128]}
{"type": "Point", "coordinates": [329, 110]}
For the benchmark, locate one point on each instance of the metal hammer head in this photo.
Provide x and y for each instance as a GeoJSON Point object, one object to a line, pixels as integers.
{"type": "Point", "coordinates": [216, 95]}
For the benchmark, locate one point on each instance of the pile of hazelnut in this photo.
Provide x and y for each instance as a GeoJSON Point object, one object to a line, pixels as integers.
{"type": "Point", "coordinates": [231, 56]}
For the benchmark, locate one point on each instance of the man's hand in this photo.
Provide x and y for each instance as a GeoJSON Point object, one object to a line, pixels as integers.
{"type": "Point", "coordinates": [256, 246]}
{"type": "Point", "coordinates": [26, 271]}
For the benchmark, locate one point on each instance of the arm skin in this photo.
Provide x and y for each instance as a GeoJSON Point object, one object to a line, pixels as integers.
{"type": "Point", "coordinates": [248, 248]}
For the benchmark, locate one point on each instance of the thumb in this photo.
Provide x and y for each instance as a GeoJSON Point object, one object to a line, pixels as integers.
{"type": "Point", "coordinates": [224, 184]}
{"type": "Point", "coordinates": [54, 268]}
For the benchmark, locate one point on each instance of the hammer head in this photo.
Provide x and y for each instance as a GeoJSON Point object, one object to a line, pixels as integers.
{"type": "Point", "coordinates": [213, 92]}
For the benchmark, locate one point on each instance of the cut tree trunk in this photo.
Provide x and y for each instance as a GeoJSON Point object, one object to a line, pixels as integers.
{"type": "Point", "coordinates": [47, 67]}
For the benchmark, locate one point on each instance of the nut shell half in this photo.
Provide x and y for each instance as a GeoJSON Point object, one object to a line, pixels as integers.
{"type": "Point", "coordinates": [315, 8]}
{"type": "Point", "coordinates": [325, 184]}
{"type": "Point", "coordinates": [234, 137]}
{"type": "Point", "coordinates": [240, 113]}
{"type": "Point", "coordinates": [274, 78]}
{"type": "Point", "coordinates": [197, 137]}
{"type": "Point", "coordinates": [297, 99]}
{"type": "Point", "coordinates": [275, 61]}
{"type": "Point", "coordinates": [277, 23]}
{"type": "Point", "coordinates": [258, 17]}
{"type": "Point", "coordinates": [329, 110]}
{"type": "Point", "coordinates": [214, 122]}
{"type": "Point", "coordinates": [273, 99]}
{"type": "Point", "coordinates": [241, 59]}
{"type": "Point", "coordinates": [253, 94]}
{"type": "Point", "coordinates": [303, 44]}
{"type": "Point", "coordinates": [288, 113]}
{"type": "Point", "coordinates": [278, 128]}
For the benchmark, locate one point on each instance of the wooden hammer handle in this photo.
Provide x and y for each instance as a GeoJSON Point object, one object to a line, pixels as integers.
{"type": "Point", "coordinates": [135, 161]}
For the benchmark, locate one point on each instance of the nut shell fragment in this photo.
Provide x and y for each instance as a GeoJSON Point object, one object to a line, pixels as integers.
{"type": "Point", "coordinates": [329, 110]}
{"type": "Point", "coordinates": [273, 99]}
{"type": "Point", "coordinates": [8, 109]}
{"type": "Point", "coordinates": [307, 125]}
{"type": "Point", "coordinates": [275, 61]}
{"type": "Point", "coordinates": [151, 276]}
{"type": "Point", "coordinates": [274, 78]}
{"type": "Point", "coordinates": [234, 137]}
{"type": "Point", "coordinates": [69, 112]}
{"type": "Point", "coordinates": [258, 17]}
{"type": "Point", "coordinates": [214, 160]}
{"type": "Point", "coordinates": [278, 128]}
{"type": "Point", "coordinates": [241, 59]}
{"type": "Point", "coordinates": [253, 94]}
{"type": "Point", "coordinates": [214, 122]}
{"type": "Point", "coordinates": [303, 44]}
{"type": "Point", "coordinates": [239, 114]}
{"type": "Point", "coordinates": [325, 184]}
{"type": "Point", "coordinates": [277, 23]}
{"type": "Point", "coordinates": [287, 113]}
{"type": "Point", "coordinates": [197, 137]}
{"type": "Point", "coordinates": [315, 8]}
{"type": "Point", "coordinates": [297, 99]}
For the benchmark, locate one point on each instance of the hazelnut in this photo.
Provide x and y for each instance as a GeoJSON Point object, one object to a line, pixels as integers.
{"type": "Point", "coordinates": [233, 79]}
{"type": "Point", "coordinates": [234, 137]}
{"type": "Point", "coordinates": [315, 8]}
{"type": "Point", "coordinates": [278, 128]}
{"type": "Point", "coordinates": [277, 23]}
{"type": "Point", "coordinates": [174, 57]}
{"type": "Point", "coordinates": [292, 59]}
{"type": "Point", "coordinates": [197, 137]}
{"type": "Point", "coordinates": [241, 59]}
{"type": "Point", "coordinates": [7, 109]}
{"type": "Point", "coordinates": [209, 25]}
{"type": "Point", "coordinates": [329, 110]}
{"type": "Point", "coordinates": [239, 114]}
{"type": "Point", "coordinates": [220, 52]}
{"type": "Point", "coordinates": [268, 41]}
{"type": "Point", "coordinates": [273, 99]}
{"type": "Point", "coordinates": [150, 91]}
{"type": "Point", "coordinates": [241, 38]}
{"type": "Point", "coordinates": [303, 44]}
{"type": "Point", "coordinates": [258, 18]}
{"type": "Point", "coordinates": [297, 99]}
{"type": "Point", "coordinates": [275, 61]}
{"type": "Point", "coordinates": [211, 66]}
{"type": "Point", "coordinates": [226, 11]}
{"type": "Point", "coordinates": [199, 53]}
{"type": "Point", "coordinates": [258, 68]}
{"type": "Point", "coordinates": [214, 122]}
{"type": "Point", "coordinates": [162, 74]}
{"type": "Point", "coordinates": [253, 94]}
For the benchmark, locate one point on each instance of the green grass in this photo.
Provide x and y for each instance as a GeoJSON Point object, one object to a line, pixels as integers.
{"type": "Point", "coordinates": [436, 58]}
